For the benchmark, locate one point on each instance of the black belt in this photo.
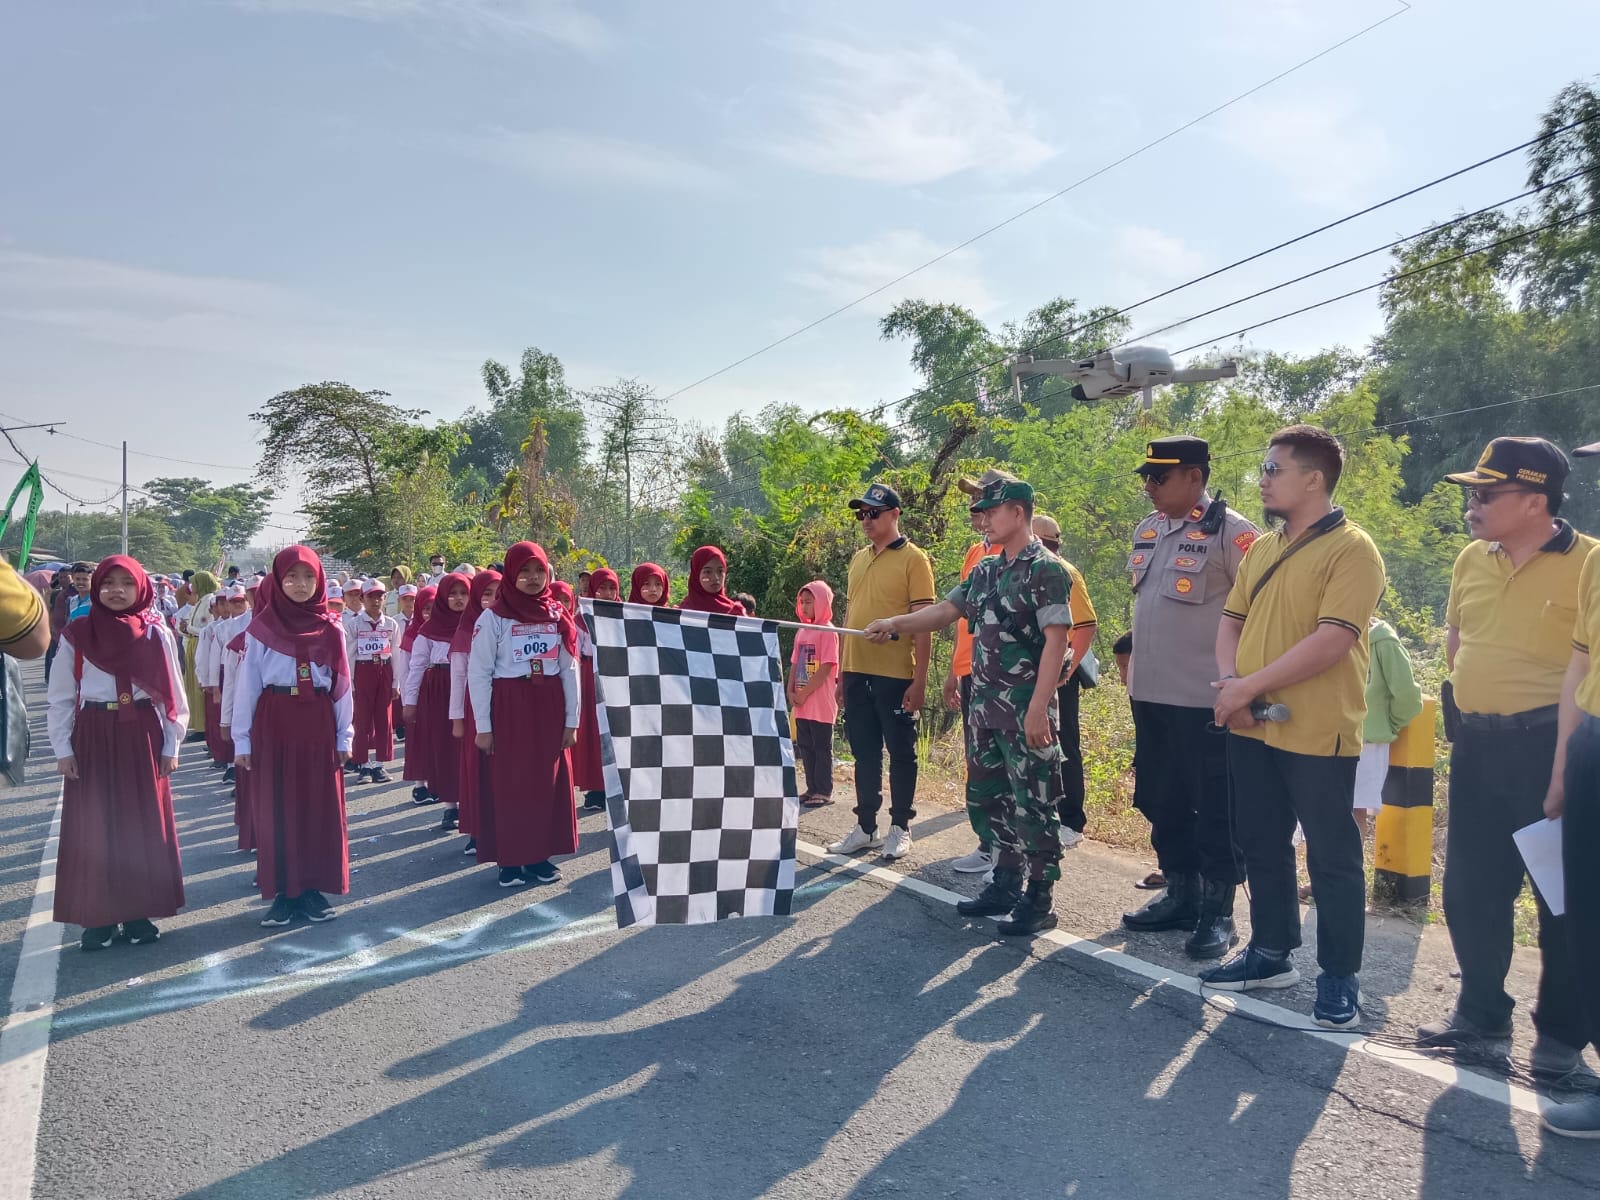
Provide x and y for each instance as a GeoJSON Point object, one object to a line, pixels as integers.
{"type": "Point", "coordinates": [1533, 718]}
{"type": "Point", "coordinates": [437, 666]}
{"type": "Point", "coordinates": [113, 705]}
{"type": "Point", "coordinates": [291, 690]}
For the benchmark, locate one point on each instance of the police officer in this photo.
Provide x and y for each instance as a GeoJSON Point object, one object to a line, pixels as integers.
{"type": "Point", "coordinates": [1183, 562]}
{"type": "Point", "coordinates": [1508, 641]}
{"type": "Point", "coordinates": [1018, 604]}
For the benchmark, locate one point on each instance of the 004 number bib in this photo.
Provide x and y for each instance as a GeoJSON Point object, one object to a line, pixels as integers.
{"type": "Point", "coordinates": [538, 644]}
{"type": "Point", "coordinates": [372, 645]}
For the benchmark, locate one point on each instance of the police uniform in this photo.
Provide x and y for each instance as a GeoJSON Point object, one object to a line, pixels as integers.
{"type": "Point", "coordinates": [1182, 571]}
{"type": "Point", "coordinates": [1009, 603]}
{"type": "Point", "coordinates": [1515, 631]}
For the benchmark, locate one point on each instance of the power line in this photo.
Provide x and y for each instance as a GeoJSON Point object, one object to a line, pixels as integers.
{"type": "Point", "coordinates": [1054, 196]}
{"type": "Point", "coordinates": [144, 453]}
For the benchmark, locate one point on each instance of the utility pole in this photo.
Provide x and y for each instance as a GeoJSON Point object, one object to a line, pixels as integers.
{"type": "Point", "coordinates": [124, 497]}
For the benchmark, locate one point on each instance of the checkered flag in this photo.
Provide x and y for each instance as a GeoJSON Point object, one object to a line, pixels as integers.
{"type": "Point", "coordinates": [700, 781]}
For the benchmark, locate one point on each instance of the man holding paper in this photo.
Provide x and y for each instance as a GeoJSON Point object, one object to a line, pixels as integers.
{"type": "Point", "coordinates": [1513, 600]}
{"type": "Point", "coordinates": [1574, 797]}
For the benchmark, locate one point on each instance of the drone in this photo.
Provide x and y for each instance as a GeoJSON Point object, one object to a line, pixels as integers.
{"type": "Point", "coordinates": [1107, 374]}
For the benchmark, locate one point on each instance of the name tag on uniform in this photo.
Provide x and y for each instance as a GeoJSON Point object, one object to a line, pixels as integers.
{"type": "Point", "coordinates": [374, 644]}
{"type": "Point", "coordinates": [537, 643]}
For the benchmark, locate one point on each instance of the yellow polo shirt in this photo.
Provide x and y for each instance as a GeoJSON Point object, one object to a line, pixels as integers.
{"type": "Point", "coordinates": [884, 583]}
{"type": "Point", "coordinates": [1336, 579]}
{"type": "Point", "coordinates": [21, 609]}
{"type": "Point", "coordinates": [1586, 632]}
{"type": "Point", "coordinates": [1515, 623]}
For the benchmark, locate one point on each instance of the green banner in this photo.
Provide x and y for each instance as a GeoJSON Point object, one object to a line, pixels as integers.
{"type": "Point", "coordinates": [30, 479]}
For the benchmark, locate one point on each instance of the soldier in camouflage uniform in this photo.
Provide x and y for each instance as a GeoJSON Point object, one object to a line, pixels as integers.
{"type": "Point", "coordinates": [1016, 603]}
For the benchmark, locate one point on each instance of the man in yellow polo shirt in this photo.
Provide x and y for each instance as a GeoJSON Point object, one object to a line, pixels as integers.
{"type": "Point", "coordinates": [1574, 796]}
{"type": "Point", "coordinates": [882, 685]}
{"type": "Point", "coordinates": [1294, 633]}
{"type": "Point", "coordinates": [24, 629]}
{"type": "Point", "coordinates": [1509, 623]}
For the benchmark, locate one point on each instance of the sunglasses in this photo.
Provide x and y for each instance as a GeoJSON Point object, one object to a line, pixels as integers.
{"type": "Point", "coordinates": [869, 514]}
{"type": "Point", "coordinates": [1155, 478]}
{"type": "Point", "coordinates": [1273, 469]}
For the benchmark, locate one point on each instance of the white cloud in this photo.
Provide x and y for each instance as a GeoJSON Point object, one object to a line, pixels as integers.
{"type": "Point", "coordinates": [906, 116]}
{"type": "Point", "coordinates": [559, 21]}
{"type": "Point", "coordinates": [1148, 257]}
{"type": "Point", "coordinates": [1324, 149]}
{"type": "Point", "coordinates": [558, 154]}
{"type": "Point", "coordinates": [841, 274]}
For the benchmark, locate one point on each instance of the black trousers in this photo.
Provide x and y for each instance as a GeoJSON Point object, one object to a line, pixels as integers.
{"type": "Point", "coordinates": [1181, 786]}
{"type": "Point", "coordinates": [874, 722]}
{"type": "Point", "coordinates": [1497, 785]}
{"type": "Point", "coordinates": [1580, 850]}
{"type": "Point", "coordinates": [1066, 779]}
{"type": "Point", "coordinates": [813, 744]}
{"type": "Point", "coordinates": [1272, 789]}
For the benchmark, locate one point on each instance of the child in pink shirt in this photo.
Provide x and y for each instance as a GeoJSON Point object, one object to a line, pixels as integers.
{"type": "Point", "coordinates": [812, 699]}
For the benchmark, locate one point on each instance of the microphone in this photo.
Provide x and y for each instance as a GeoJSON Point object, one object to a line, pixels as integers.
{"type": "Point", "coordinates": [1276, 713]}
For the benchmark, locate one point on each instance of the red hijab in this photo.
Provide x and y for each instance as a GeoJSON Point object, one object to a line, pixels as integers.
{"type": "Point", "coordinates": [603, 575]}
{"type": "Point", "coordinates": [419, 613]}
{"type": "Point", "coordinates": [124, 644]}
{"type": "Point", "coordinates": [516, 605]}
{"type": "Point", "coordinates": [442, 623]}
{"type": "Point", "coordinates": [700, 600]}
{"type": "Point", "coordinates": [650, 571]}
{"type": "Point", "coordinates": [301, 630]}
{"type": "Point", "coordinates": [462, 642]}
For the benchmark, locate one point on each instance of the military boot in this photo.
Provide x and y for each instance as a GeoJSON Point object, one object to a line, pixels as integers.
{"type": "Point", "coordinates": [1033, 912]}
{"type": "Point", "coordinates": [1176, 908]}
{"type": "Point", "coordinates": [1213, 930]}
{"type": "Point", "coordinates": [1001, 896]}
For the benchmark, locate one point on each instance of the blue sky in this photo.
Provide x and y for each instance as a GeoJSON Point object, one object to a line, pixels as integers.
{"type": "Point", "coordinates": [204, 203]}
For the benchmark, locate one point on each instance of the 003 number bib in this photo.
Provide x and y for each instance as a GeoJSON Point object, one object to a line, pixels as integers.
{"type": "Point", "coordinates": [537, 644]}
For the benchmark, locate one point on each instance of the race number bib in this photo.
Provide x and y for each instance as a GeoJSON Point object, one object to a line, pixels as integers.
{"type": "Point", "coordinates": [538, 643]}
{"type": "Point", "coordinates": [372, 645]}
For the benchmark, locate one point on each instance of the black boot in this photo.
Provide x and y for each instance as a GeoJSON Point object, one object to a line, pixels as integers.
{"type": "Point", "coordinates": [1176, 908]}
{"type": "Point", "coordinates": [1033, 912]}
{"type": "Point", "coordinates": [1001, 896]}
{"type": "Point", "coordinates": [1213, 931]}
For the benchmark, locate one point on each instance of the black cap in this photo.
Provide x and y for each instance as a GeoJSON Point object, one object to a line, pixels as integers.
{"type": "Point", "coordinates": [1530, 460]}
{"type": "Point", "coordinates": [1588, 451]}
{"type": "Point", "coordinates": [1181, 451]}
{"type": "Point", "coordinates": [879, 495]}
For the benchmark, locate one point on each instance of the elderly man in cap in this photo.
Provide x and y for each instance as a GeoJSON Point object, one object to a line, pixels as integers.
{"type": "Point", "coordinates": [1016, 603]}
{"type": "Point", "coordinates": [1184, 559]}
{"type": "Point", "coordinates": [882, 684]}
{"type": "Point", "coordinates": [1509, 634]}
{"type": "Point", "coordinates": [1574, 796]}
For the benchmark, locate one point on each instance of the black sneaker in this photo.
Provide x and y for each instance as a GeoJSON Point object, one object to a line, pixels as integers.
{"type": "Point", "coordinates": [471, 847]}
{"type": "Point", "coordinates": [421, 795]}
{"type": "Point", "coordinates": [451, 821]}
{"type": "Point", "coordinates": [98, 937]}
{"type": "Point", "coordinates": [140, 933]}
{"type": "Point", "coordinates": [511, 877]}
{"type": "Point", "coordinates": [1338, 1004]}
{"type": "Point", "coordinates": [353, 768]}
{"type": "Point", "coordinates": [378, 775]}
{"type": "Point", "coordinates": [316, 908]}
{"type": "Point", "coordinates": [594, 802]}
{"type": "Point", "coordinates": [228, 775]}
{"type": "Point", "coordinates": [1250, 969]}
{"type": "Point", "coordinates": [543, 872]}
{"type": "Point", "coordinates": [281, 913]}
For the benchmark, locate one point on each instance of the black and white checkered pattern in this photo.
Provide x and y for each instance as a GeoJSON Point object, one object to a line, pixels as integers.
{"type": "Point", "coordinates": [700, 780]}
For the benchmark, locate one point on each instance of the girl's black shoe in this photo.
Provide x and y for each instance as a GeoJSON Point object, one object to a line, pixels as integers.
{"type": "Point", "coordinates": [140, 933]}
{"type": "Point", "coordinates": [98, 937]}
{"type": "Point", "coordinates": [451, 821]}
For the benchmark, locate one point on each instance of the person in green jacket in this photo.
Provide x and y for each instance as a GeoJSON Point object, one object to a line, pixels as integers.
{"type": "Point", "coordinates": [1393, 702]}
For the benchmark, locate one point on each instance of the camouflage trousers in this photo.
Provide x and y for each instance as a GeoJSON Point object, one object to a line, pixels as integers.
{"type": "Point", "coordinates": [1009, 801]}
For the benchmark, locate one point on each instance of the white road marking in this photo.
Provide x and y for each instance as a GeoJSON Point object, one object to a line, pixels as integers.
{"type": "Point", "coordinates": [1497, 1090]}
{"type": "Point", "coordinates": [25, 1039]}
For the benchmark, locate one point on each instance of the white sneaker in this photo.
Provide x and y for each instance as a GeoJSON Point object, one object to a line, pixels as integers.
{"type": "Point", "coordinates": [856, 840]}
{"type": "Point", "coordinates": [970, 864]}
{"type": "Point", "coordinates": [1070, 838]}
{"type": "Point", "coordinates": [899, 843]}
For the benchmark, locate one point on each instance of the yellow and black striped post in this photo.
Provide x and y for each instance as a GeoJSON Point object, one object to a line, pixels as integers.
{"type": "Point", "coordinates": [1403, 844]}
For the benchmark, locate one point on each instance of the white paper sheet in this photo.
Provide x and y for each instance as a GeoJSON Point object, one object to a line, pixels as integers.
{"type": "Point", "coordinates": [1540, 844]}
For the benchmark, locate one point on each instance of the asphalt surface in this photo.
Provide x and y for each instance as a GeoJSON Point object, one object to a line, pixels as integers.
{"type": "Point", "coordinates": [446, 1038]}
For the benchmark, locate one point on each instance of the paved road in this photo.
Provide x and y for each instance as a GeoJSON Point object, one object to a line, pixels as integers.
{"type": "Point", "coordinates": [446, 1038]}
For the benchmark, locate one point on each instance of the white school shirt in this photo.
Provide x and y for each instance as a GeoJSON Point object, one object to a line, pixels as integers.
{"type": "Point", "coordinates": [231, 660]}
{"type": "Point", "coordinates": [65, 695]}
{"type": "Point", "coordinates": [208, 652]}
{"type": "Point", "coordinates": [264, 667]}
{"type": "Point", "coordinates": [458, 685]}
{"type": "Point", "coordinates": [364, 626]}
{"type": "Point", "coordinates": [425, 653]}
{"type": "Point", "coordinates": [494, 657]}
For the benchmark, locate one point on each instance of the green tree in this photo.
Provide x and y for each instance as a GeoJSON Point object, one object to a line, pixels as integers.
{"type": "Point", "coordinates": [211, 520]}
{"type": "Point", "coordinates": [495, 434]}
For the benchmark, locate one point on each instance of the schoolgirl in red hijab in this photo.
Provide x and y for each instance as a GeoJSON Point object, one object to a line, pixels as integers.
{"type": "Point", "coordinates": [708, 573]}
{"type": "Point", "coordinates": [485, 586]}
{"type": "Point", "coordinates": [292, 730]}
{"type": "Point", "coordinates": [587, 773]}
{"type": "Point", "coordinates": [650, 585]}
{"type": "Point", "coordinates": [117, 714]}
{"type": "Point", "coordinates": [522, 675]}
{"type": "Point", "coordinates": [433, 759]}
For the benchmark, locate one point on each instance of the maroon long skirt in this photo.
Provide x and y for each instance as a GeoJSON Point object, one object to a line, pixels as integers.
{"type": "Point", "coordinates": [431, 751]}
{"type": "Point", "coordinates": [119, 858]}
{"type": "Point", "coordinates": [244, 814]}
{"type": "Point", "coordinates": [219, 747]}
{"type": "Point", "coordinates": [587, 772]}
{"type": "Point", "coordinates": [467, 784]}
{"type": "Point", "coordinates": [297, 792]}
{"type": "Point", "coordinates": [526, 813]}
{"type": "Point", "coordinates": [373, 688]}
